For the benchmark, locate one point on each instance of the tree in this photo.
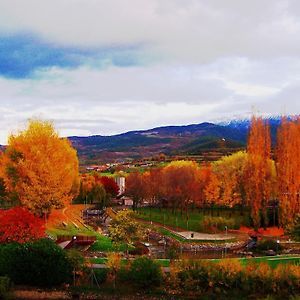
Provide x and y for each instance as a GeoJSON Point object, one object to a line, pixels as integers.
{"type": "Point", "coordinates": [123, 229]}
{"type": "Point", "coordinates": [212, 190]}
{"type": "Point", "coordinates": [109, 184]}
{"type": "Point", "coordinates": [21, 226]}
{"type": "Point", "coordinates": [98, 196]}
{"type": "Point", "coordinates": [288, 166]}
{"type": "Point", "coordinates": [135, 187]}
{"type": "Point", "coordinates": [258, 170]}
{"type": "Point", "coordinates": [40, 167]}
{"type": "Point", "coordinates": [145, 273]}
{"type": "Point", "coordinates": [180, 184]}
{"type": "Point", "coordinates": [40, 263]}
{"type": "Point", "coordinates": [230, 171]}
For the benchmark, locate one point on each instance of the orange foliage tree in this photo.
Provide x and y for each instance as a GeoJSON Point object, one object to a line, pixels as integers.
{"type": "Point", "coordinates": [40, 167]}
{"type": "Point", "coordinates": [212, 190]}
{"type": "Point", "coordinates": [288, 166]}
{"type": "Point", "coordinates": [180, 183]}
{"type": "Point", "coordinates": [19, 225]}
{"type": "Point", "coordinates": [135, 187]}
{"type": "Point", "coordinates": [258, 170]}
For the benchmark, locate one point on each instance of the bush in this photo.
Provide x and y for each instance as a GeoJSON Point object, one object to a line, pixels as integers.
{"type": "Point", "coordinates": [40, 263]}
{"type": "Point", "coordinates": [265, 245]}
{"type": "Point", "coordinates": [145, 273]}
{"type": "Point", "coordinates": [4, 287]}
{"type": "Point", "coordinates": [210, 223]}
{"type": "Point", "coordinates": [101, 275]}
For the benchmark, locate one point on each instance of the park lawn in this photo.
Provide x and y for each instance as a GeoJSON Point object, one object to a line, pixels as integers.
{"type": "Point", "coordinates": [102, 243]}
{"type": "Point", "coordinates": [165, 216]}
{"type": "Point", "coordinates": [272, 261]}
{"type": "Point", "coordinates": [70, 230]}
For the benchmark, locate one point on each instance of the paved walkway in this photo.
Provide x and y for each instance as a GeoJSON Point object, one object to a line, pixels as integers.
{"type": "Point", "coordinates": [192, 235]}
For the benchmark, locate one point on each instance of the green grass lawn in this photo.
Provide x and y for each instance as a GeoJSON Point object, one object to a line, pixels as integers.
{"type": "Point", "coordinates": [165, 216]}
{"type": "Point", "coordinates": [272, 261]}
{"type": "Point", "coordinates": [70, 230]}
{"type": "Point", "coordinates": [103, 243]}
{"type": "Point", "coordinates": [194, 223]}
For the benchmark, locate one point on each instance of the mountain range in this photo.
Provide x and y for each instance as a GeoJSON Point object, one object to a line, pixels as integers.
{"type": "Point", "coordinates": [196, 139]}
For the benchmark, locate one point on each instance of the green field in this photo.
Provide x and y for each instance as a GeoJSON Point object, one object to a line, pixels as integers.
{"type": "Point", "coordinates": [165, 216]}
{"type": "Point", "coordinates": [272, 261]}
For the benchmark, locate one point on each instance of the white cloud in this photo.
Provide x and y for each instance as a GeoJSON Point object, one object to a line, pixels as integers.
{"type": "Point", "coordinates": [195, 30]}
{"type": "Point", "coordinates": [205, 60]}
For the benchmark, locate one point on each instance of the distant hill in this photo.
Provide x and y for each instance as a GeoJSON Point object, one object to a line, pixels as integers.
{"type": "Point", "coordinates": [172, 140]}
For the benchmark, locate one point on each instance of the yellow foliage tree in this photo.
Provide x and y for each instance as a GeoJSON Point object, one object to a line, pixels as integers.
{"type": "Point", "coordinates": [40, 168]}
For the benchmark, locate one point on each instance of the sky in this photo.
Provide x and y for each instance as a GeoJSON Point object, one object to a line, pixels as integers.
{"type": "Point", "coordinates": [106, 67]}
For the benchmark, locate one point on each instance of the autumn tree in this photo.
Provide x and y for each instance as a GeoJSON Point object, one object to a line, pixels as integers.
{"type": "Point", "coordinates": [135, 187]}
{"type": "Point", "coordinates": [258, 170]}
{"type": "Point", "coordinates": [288, 166]}
{"type": "Point", "coordinates": [109, 184]}
{"type": "Point", "coordinates": [40, 167]}
{"type": "Point", "coordinates": [230, 171]}
{"type": "Point", "coordinates": [180, 184]}
{"type": "Point", "coordinates": [19, 225]}
{"type": "Point", "coordinates": [203, 180]}
{"type": "Point", "coordinates": [123, 229]}
{"type": "Point", "coordinates": [153, 186]}
{"type": "Point", "coordinates": [212, 190]}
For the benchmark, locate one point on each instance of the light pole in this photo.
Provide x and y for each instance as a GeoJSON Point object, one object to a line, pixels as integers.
{"type": "Point", "coordinates": [277, 246]}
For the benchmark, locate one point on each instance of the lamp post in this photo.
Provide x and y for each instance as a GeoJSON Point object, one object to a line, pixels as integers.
{"type": "Point", "coordinates": [277, 246]}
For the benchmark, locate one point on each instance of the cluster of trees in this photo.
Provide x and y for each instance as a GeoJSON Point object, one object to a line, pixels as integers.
{"type": "Point", "coordinates": [250, 178]}
{"type": "Point", "coordinates": [96, 189]}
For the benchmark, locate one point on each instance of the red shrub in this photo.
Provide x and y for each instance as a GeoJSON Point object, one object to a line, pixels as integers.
{"type": "Point", "coordinates": [19, 225]}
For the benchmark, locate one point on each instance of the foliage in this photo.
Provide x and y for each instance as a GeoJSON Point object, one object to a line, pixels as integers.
{"type": "Point", "coordinates": [123, 229]}
{"type": "Point", "coordinates": [109, 185]}
{"type": "Point", "coordinates": [40, 167]}
{"type": "Point", "coordinates": [39, 263]}
{"type": "Point", "coordinates": [227, 276]}
{"type": "Point", "coordinates": [114, 264]}
{"type": "Point", "coordinates": [75, 259]}
{"type": "Point", "coordinates": [19, 225]}
{"type": "Point", "coordinates": [230, 171]}
{"type": "Point", "coordinates": [288, 165]}
{"type": "Point", "coordinates": [145, 272]}
{"type": "Point", "coordinates": [135, 188]}
{"type": "Point", "coordinates": [4, 287]}
{"type": "Point", "coordinates": [295, 230]}
{"type": "Point", "coordinates": [101, 275]}
{"type": "Point", "coordinates": [265, 245]}
{"type": "Point", "coordinates": [258, 170]}
{"type": "Point", "coordinates": [96, 189]}
{"type": "Point", "coordinates": [219, 223]}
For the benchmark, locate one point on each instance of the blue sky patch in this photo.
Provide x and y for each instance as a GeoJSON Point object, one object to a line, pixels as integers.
{"type": "Point", "coordinates": [22, 55]}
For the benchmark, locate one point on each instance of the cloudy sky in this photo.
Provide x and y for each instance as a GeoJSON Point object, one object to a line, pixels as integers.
{"type": "Point", "coordinates": [105, 67]}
